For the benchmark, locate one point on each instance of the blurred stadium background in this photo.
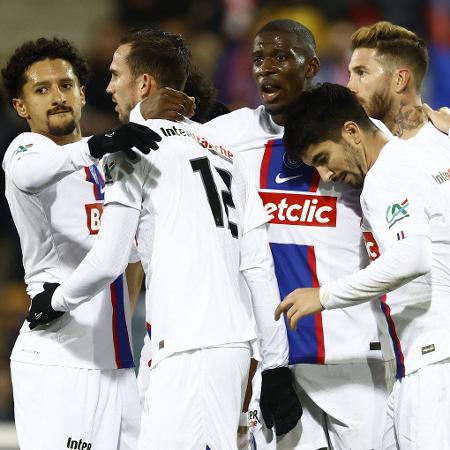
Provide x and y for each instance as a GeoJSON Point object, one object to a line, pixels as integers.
{"type": "Point", "coordinates": [220, 34]}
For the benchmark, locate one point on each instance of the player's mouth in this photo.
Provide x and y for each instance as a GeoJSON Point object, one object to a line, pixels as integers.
{"type": "Point", "coordinates": [269, 91]}
{"type": "Point", "coordinates": [56, 111]}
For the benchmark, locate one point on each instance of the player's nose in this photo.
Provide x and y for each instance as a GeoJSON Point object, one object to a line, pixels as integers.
{"type": "Point", "coordinates": [325, 173]}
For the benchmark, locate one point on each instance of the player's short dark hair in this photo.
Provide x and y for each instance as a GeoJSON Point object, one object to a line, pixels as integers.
{"type": "Point", "coordinates": [400, 45]}
{"type": "Point", "coordinates": [304, 36]}
{"type": "Point", "coordinates": [160, 53]}
{"type": "Point", "coordinates": [319, 115]}
{"type": "Point", "coordinates": [13, 73]}
{"type": "Point", "coordinates": [205, 95]}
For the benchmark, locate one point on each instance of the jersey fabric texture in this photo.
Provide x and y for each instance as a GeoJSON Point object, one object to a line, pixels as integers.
{"type": "Point", "coordinates": [57, 227]}
{"type": "Point", "coordinates": [192, 189]}
{"type": "Point", "coordinates": [406, 194]}
{"type": "Point", "coordinates": [315, 237]}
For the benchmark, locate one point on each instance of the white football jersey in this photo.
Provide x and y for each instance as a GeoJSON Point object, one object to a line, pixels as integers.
{"type": "Point", "coordinates": [57, 228]}
{"type": "Point", "coordinates": [195, 205]}
{"type": "Point", "coordinates": [407, 193]}
{"type": "Point", "coordinates": [315, 237]}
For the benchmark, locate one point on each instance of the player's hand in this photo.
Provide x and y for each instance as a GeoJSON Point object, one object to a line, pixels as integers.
{"type": "Point", "coordinates": [298, 304]}
{"type": "Point", "coordinates": [279, 403]}
{"type": "Point", "coordinates": [124, 138]}
{"type": "Point", "coordinates": [168, 104]}
{"type": "Point", "coordinates": [41, 311]}
{"type": "Point", "coordinates": [440, 118]}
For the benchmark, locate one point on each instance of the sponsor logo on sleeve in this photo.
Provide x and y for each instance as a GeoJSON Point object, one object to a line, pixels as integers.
{"type": "Point", "coordinates": [300, 209]}
{"type": "Point", "coordinates": [22, 148]}
{"type": "Point", "coordinates": [397, 212]}
{"type": "Point", "coordinates": [371, 245]}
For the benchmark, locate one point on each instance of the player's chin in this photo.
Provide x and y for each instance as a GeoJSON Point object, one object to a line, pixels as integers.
{"type": "Point", "coordinates": [62, 129]}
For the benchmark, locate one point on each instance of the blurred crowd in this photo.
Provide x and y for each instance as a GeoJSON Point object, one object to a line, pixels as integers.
{"type": "Point", "coordinates": [220, 33]}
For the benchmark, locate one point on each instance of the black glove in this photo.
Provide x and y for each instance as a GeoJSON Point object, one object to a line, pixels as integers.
{"type": "Point", "coordinates": [279, 402]}
{"type": "Point", "coordinates": [123, 138]}
{"type": "Point", "coordinates": [41, 311]}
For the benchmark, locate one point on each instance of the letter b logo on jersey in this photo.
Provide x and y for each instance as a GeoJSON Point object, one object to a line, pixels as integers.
{"type": "Point", "coordinates": [300, 209]}
{"type": "Point", "coordinates": [93, 216]}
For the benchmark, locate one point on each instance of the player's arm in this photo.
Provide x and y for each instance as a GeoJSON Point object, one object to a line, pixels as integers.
{"type": "Point", "coordinates": [404, 261]}
{"type": "Point", "coordinates": [41, 163]}
{"type": "Point", "coordinates": [279, 403]}
{"type": "Point", "coordinates": [135, 275]}
{"type": "Point", "coordinates": [440, 117]}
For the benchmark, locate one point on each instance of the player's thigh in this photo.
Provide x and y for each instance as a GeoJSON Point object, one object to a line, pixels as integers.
{"type": "Point", "coordinates": [309, 433]}
{"type": "Point", "coordinates": [422, 408]}
{"type": "Point", "coordinates": [171, 416]}
{"type": "Point", "coordinates": [224, 379]}
{"type": "Point", "coordinates": [56, 406]}
{"type": "Point", "coordinates": [353, 397]}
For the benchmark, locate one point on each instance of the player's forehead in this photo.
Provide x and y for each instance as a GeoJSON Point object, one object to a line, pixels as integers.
{"type": "Point", "coordinates": [364, 58]}
{"type": "Point", "coordinates": [268, 41]}
{"type": "Point", "coordinates": [120, 58]}
{"type": "Point", "coordinates": [49, 70]}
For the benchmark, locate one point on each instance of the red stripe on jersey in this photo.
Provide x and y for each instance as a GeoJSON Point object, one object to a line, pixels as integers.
{"type": "Point", "coordinates": [114, 328]}
{"type": "Point", "coordinates": [314, 182]}
{"type": "Point", "coordinates": [317, 317]}
{"type": "Point", "coordinates": [265, 164]}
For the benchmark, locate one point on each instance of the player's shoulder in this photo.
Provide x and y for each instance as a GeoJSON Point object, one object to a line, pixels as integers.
{"type": "Point", "coordinates": [23, 143]}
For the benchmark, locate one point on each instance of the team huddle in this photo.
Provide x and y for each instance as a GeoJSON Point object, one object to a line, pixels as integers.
{"type": "Point", "coordinates": [311, 234]}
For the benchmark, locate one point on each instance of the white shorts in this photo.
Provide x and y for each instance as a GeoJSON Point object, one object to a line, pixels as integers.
{"type": "Point", "coordinates": [57, 406]}
{"type": "Point", "coordinates": [418, 412]}
{"type": "Point", "coordinates": [194, 399]}
{"type": "Point", "coordinates": [343, 406]}
{"type": "Point", "coordinates": [143, 376]}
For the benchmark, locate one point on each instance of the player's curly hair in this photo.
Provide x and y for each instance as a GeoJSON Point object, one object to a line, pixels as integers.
{"type": "Point", "coordinates": [400, 45]}
{"type": "Point", "coordinates": [13, 73]}
{"type": "Point", "coordinates": [162, 54]}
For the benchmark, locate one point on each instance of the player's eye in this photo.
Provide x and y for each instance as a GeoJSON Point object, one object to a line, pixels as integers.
{"type": "Point", "coordinates": [67, 86]}
{"type": "Point", "coordinates": [41, 90]}
{"type": "Point", "coordinates": [257, 60]}
{"type": "Point", "coordinates": [281, 57]}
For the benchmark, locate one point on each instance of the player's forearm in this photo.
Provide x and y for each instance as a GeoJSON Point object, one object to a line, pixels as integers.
{"type": "Point", "coordinates": [41, 167]}
{"type": "Point", "coordinates": [257, 268]}
{"type": "Point", "coordinates": [404, 261]}
{"type": "Point", "coordinates": [104, 263]}
{"type": "Point", "coordinates": [135, 276]}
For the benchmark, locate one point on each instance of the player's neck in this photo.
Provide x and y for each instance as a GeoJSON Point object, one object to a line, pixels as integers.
{"type": "Point", "coordinates": [279, 119]}
{"type": "Point", "coordinates": [406, 118]}
{"type": "Point", "coordinates": [374, 143]}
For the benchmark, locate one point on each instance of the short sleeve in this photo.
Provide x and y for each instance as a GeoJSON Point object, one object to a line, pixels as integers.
{"type": "Point", "coordinates": [124, 180]}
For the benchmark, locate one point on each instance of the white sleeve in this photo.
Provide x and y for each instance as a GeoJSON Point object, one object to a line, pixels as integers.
{"type": "Point", "coordinates": [404, 261]}
{"type": "Point", "coordinates": [124, 179]}
{"type": "Point", "coordinates": [257, 269]}
{"type": "Point", "coordinates": [41, 163]}
{"type": "Point", "coordinates": [104, 263]}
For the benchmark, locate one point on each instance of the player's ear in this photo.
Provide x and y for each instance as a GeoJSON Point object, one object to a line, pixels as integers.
{"type": "Point", "coordinates": [20, 107]}
{"type": "Point", "coordinates": [312, 67]}
{"type": "Point", "coordinates": [351, 132]}
{"type": "Point", "coordinates": [146, 84]}
{"type": "Point", "coordinates": [83, 95]}
{"type": "Point", "coordinates": [402, 79]}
